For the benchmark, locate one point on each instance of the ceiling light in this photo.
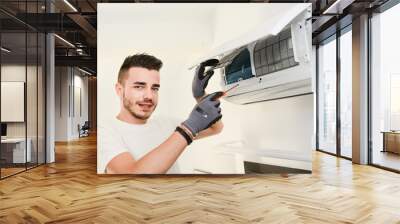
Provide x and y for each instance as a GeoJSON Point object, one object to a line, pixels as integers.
{"type": "Point", "coordinates": [79, 51]}
{"type": "Point", "coordinates": [84, 71]}
{"type": "Point", "coordinates": [64, 40]}
{"type": "Point", "coordinates": [5, 50]}
{"type": "Point", "coordinates": [337, 7]}
{"type": "Point", "coordinates": [70, 5]}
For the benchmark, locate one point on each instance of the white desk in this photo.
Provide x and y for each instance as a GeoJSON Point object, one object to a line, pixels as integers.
{"type": "Point", "coordinates": [19, 149]}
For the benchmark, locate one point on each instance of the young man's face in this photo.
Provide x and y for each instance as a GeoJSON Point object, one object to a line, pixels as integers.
{"type": "Point", "coordinates": [139, 92]}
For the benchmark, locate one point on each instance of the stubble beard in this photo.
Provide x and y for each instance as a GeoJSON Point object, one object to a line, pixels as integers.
{"type": "Point", "coordinates": [129, 106]}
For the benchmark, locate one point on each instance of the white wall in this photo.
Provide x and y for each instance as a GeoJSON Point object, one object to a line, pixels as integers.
{"type": "Point", "coordinates": [80, 102]}
{"type": "Point", "coordinates": [68, 83]}
{"type": "Point", "coordinates": [61, 103]}
{"type": "Point", "coordinates": [239, 19]}
{"type": "Point", "coordinates": [179, 34]}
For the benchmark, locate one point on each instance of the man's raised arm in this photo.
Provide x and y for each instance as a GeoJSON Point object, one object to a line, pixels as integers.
{"type": "Point", "coordinates": [160, 159]}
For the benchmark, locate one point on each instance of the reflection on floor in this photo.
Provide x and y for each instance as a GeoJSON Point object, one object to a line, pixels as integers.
{"type": "Point", "coordinates": [387, 159]}
{"type": "Point", "coordinates": [10, 169]}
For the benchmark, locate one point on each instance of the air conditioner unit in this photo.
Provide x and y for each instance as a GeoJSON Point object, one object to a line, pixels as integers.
{"type": "Point", "coordinates": [270, 62]}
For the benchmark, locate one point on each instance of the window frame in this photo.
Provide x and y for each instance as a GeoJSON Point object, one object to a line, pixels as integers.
{"type": "Point", "coordinates": [335, 36]}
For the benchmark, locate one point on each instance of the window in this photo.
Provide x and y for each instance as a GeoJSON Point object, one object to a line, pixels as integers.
{"type": "Point", "coordinates": [335, 73]}
{"type": "Point", "coordinates": [346, 93]}
{"type": "Point", "coordinates": [240, 68]}
{"type": "Point", "coordinates": [395, 102]}
{"type": "Point", "coordinates": [327, 96]}
{"type": "Point", "coordinates": [385, 89]}
{"type": "Point", "coordinates": [274, 54]}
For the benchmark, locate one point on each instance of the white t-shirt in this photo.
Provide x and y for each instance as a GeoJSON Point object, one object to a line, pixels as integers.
{"type": "Point", "coordinates": [116, 137]}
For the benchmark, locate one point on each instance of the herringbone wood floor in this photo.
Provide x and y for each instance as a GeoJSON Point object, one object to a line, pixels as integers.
{"type": "Point", "coordinates": [69, 191]}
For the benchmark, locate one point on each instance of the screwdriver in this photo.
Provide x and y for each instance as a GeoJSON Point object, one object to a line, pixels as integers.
{"type": "Point", "coordinates": [223, 93]}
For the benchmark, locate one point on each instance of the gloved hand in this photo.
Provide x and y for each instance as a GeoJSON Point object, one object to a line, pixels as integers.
{"type": "Point", "coordinates": [200, 80]}
{"type": "Point", "coordinates": [204, 114]}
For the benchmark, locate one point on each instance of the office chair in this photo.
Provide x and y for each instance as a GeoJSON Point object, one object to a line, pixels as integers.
{"type": "Point", "coordinates": [84, 130]}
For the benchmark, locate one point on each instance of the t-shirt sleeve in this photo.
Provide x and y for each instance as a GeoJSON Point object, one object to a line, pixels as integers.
{"type": "Point", "coordinates": [109, 145]}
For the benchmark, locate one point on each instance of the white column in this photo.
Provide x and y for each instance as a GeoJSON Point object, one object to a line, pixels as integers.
{"type": "Point", "coordinates": [50, 110]}
{"type": "Point", "coordinates": [360, 90]}
{"type": "Point", "coordinates": [50, 92]}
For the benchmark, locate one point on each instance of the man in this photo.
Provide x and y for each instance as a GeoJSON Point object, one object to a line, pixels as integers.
{"type": "Point", "coordinates": [133, 143]}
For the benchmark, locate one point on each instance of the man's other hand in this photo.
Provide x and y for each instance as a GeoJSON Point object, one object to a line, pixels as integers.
{"type": "Point", "coordinates": [201, 77]}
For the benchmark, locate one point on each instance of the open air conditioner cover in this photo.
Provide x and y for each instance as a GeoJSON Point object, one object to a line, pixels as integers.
{"type": "Point", "coordinates": [272, 26]}
{"type": "Point", "coordinates": [269, 61]}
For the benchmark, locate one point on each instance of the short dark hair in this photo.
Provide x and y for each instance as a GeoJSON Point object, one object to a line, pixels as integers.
{"type": "Point", "coordinates": [139, 60]}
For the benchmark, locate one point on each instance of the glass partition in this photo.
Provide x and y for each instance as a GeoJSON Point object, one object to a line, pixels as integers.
{"type": "Point", "coordinates": [31, 100]}
{"type": "Point", "coordinates": [32, 86]}
{"type": "Point", "coordinates": [13, 95]}
{"type": "Point", "coordinates": [41, 91]}
{"type": "Point", "coordinates": [22, 77]}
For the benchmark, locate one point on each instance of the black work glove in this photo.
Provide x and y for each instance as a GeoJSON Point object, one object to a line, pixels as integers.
{"type": "Point", "coordinates": [201, 78]}
{"type": "Point", "coordinates": [205, 113]}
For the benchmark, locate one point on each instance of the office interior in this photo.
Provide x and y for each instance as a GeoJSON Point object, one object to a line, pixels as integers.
{"type": "Point", "coordinates": [44, 98]}
{"type": "Point", "coordinates": [49, 85]}
{"type": "Point", "coordinates": [48, 76]}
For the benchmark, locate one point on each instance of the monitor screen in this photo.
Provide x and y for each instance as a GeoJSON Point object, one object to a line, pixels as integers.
{"type": "Point", "coordinates": [3, 129]}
